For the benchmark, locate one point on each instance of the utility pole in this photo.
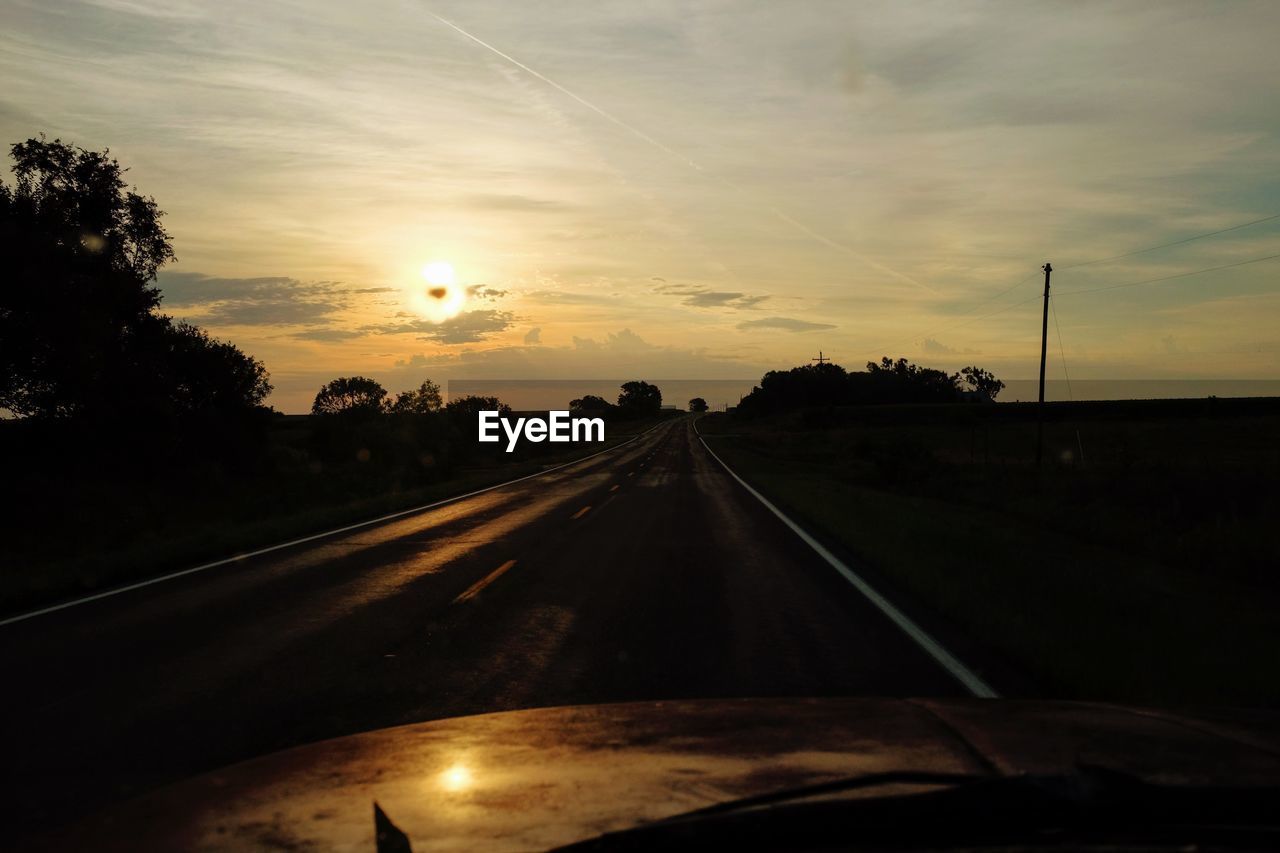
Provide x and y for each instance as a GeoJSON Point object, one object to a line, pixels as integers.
{"type": "Point", "coordinates": [820, 359]}
{"type": "Point", "coordinates": [1044, 345]}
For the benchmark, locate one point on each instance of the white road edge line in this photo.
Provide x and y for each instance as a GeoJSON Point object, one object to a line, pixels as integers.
{"type": "Point", "coordinates": [972, 682]}
{"type": "Point", "coordinates": [53, 608]}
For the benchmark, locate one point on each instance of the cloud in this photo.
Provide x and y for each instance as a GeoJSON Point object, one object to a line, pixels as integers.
{"type": "Point", "coordinates": [679, 289]}
{"type": "Point", "coordinates": [251, 301]}
{"type": "Point", "coordinates": [284, 301]}
{"type": "Point", "coordinates": [261, 301]}
{"type": "Point", "coordinates": [481, 291]}
{"type": "Point", "coordinates": [622, 353]}
{"type": "Point", "coordinates": [511, 202]}
{"type": "Point", "coordinates": [468, 327]}
{"type": "Point", "coordinates": [921, 134]}
{"type": "Point", "coordinates": [562, 297]}
{"type": "Point", "coordinates": [327, 335]}
{"type": "Point", "coordinates": [625, 341]}
{"type": "Point", "coordinates": [533, 336]}
{"type": "Point", "coordinates": [785, 323]}
{"type": "Point", "coordinates": [722, 299]}
{"type": "Point", "coordinates": [933, 347]}
{"type": "Point", "coordinates": [702, 297]}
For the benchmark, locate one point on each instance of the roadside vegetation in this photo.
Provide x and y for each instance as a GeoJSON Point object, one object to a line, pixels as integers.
{"type": "Point", "coordinates": [133, 444]}
{"type": "Point", "coordinates": [1136, 564]}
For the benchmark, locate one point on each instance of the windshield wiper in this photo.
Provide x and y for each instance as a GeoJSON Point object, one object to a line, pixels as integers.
{"type": "Point", "coordinates": [1094, 802]}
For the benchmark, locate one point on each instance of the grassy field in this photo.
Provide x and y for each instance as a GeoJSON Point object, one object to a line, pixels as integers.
{"type": "Point", "coordinates": [98, 531]}
{"type": "Point", "coordinates": [1145, 573]}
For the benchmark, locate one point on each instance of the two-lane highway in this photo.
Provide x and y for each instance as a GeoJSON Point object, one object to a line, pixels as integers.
{"type": "Point", "coordinates": [646, 572]}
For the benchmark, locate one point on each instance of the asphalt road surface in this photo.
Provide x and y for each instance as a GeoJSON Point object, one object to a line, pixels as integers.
{"type": "Point", "coordinates": [646, 572]}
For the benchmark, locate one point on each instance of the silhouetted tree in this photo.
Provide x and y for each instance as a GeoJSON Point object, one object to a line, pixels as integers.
{"type": "Point", "coordinates": [202, 374]}
{"type": "Point", "coordinates": [888, 381]}
{"type": "Point", "coordinates": [79, 331]}
{"type": "Point", "coordinates": [463, 416]}
{"type": "Point", "coordinates": [350, 395]}
{"type": "Point", "coordinates": [903, 382]}
{"type": "Point", "coordinates": [422, 400]}
{"type": "Point", "coordinates": [465, 409]}
{"type": "Point", "coordinates": [697, 404]}
{"type": "Point", "coordinates": [639, 399]}
{"type": "Point", "coordinates": [824, 384]}
{"type": "Point", "coordinates": [982, 381]}
{"type": "Point", "coordinates": [590, 405]}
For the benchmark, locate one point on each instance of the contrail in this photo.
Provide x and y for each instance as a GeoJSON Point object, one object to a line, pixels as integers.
{"type": "Point", "coordinates": [676, 155]}
{"type": "Point", "coordinates": [553, 84]}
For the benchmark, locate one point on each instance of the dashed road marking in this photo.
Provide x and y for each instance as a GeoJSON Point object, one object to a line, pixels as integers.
{"type": "Point", "coordinates": [580, 513]}
{"type": "Point", "coordinates": [478, 587]}
{"type": "Point", "coordinates": [110, 593]}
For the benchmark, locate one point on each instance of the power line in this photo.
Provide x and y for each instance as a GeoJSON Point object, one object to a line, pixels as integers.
{"type": "Point", "coordinates": [1174, 243]}
{"type": "Point", "coordinates": [989, 299]}
{"type": "Point", "coordinates": [1021, 282]}
{"type": "Point", "coordinates": [1168, 277]}
{"type": "Point", "coordinates": [1061, 349]}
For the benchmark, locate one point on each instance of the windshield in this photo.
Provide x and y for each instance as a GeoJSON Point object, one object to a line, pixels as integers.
{"type": "Point", "coordinates": [369, 366]}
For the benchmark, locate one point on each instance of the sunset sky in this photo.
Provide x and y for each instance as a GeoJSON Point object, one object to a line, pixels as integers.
{"type": "Point", "coordinates": [651, 189]}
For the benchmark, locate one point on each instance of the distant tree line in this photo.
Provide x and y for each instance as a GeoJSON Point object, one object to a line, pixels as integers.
{"type": "Point", "coordinates": [886, 382]}
{"type": "Point", "coordinates": [354, 417]}
{"type": "Point", "coordinates": [636, 399]}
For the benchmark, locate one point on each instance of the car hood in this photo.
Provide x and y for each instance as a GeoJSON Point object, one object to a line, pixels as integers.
{"type": "Point", "coordinates": [531, 780]}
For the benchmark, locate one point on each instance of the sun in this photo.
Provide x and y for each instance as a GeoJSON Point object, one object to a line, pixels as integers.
{"type": "Point", "coordinates": [443, 298]}
{"type": "Point", "coordinates": [440, 273]}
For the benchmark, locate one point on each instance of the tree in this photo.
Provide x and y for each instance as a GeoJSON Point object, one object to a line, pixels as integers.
{"type": "Point", "coordinates": [205, 375]}
{"type": "Point", "coordinates": [903, 382]}
{"type": "Point", "coordinates": [982, 381]}
{"type": "Point", "coordinates": [823, 384]}
{"type": "Point", "coordinates": [464, 412]}
{"type": "Point", "coordinates": [697, 404]}
{"type": "Point", "coordinates": [423, 400]}
{"type": "Point", "coordinates": [639, 399]}
{"type": "Point", "coordinates": [590, 405]}
{"type": "Point", "coordinates": [352, 396]}
{"type": "Point", "coordinates": [79, 330]}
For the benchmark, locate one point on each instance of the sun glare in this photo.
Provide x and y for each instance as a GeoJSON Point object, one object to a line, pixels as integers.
{"type": "Point", "coordinates": [456, 778]}
{"type": "Point", "coordinates": [443, 297]}
{"type": "Point", "coordinates": [439, 273]}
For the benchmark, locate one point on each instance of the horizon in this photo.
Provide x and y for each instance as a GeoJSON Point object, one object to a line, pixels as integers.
{"type": "Point", "coordinates": [602, 192]}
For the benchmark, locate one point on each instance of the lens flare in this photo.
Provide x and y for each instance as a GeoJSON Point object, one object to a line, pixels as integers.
{"type": "Point", "coordinates": [443, 297]}
{"type": "Point", "coordinates": [440, 273]}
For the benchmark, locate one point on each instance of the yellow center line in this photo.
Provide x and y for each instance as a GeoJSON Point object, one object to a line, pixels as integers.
{"type": "Point", "coordinates": [580, 513]}
{"type": "Point", "coordinates": [478, 587]}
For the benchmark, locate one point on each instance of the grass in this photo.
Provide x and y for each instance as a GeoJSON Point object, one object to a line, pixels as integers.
{"type": "Point", "coordinates": [1091, 603]}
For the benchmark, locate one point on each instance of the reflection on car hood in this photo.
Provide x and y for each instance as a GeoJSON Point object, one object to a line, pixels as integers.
{"type": "Point", "coordinates": [530, 780]}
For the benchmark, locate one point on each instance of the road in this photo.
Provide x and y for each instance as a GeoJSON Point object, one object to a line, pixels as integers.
{"type": "Point", "coordinates": [645, 572]}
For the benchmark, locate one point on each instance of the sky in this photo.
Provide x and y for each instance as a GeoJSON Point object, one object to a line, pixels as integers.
{"type": "Point", "coordinates": [686, 190]}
